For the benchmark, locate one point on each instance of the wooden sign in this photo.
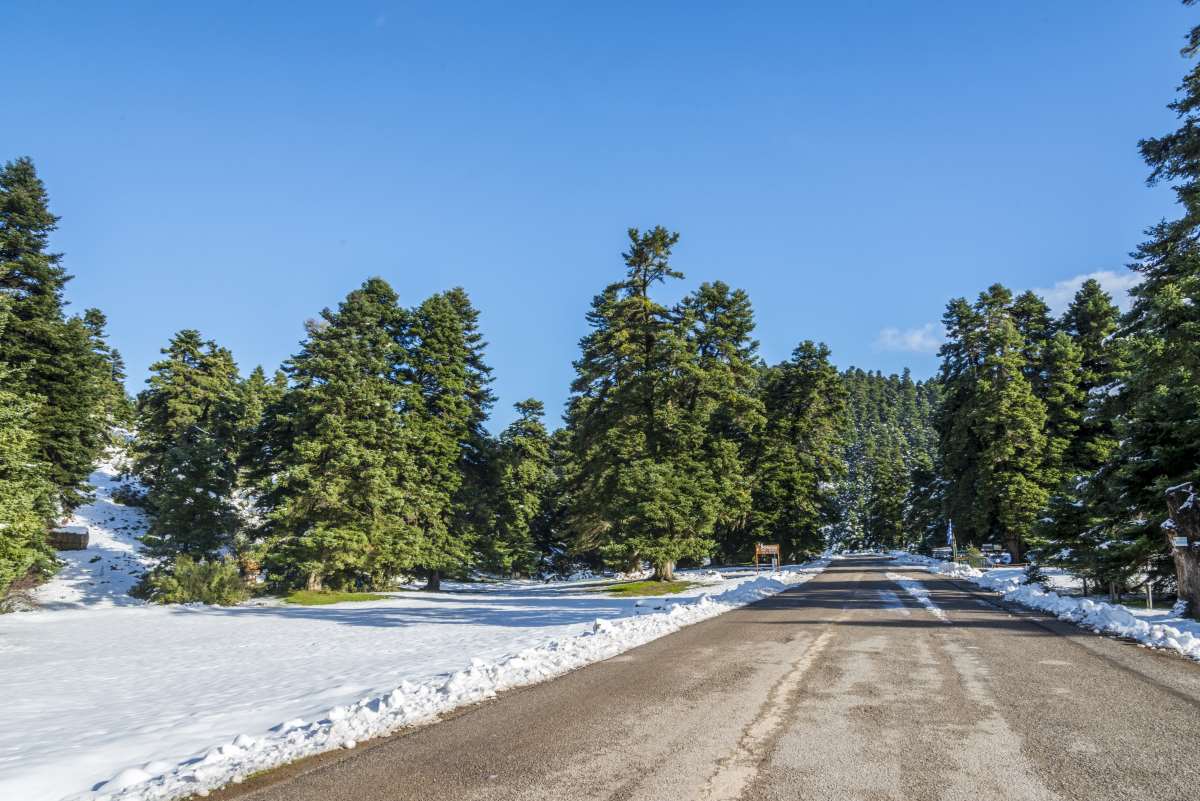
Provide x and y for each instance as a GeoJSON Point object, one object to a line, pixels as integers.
{"type": "Point", "coordinates": [769, 551]}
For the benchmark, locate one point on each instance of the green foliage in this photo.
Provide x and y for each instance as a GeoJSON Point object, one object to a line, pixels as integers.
{"type": "Point", "coordinates": [1156, 409]}
{"type": "Point", "coordinates": [185, 580]}
{"type": "Point", "coordinates": [661, 399]}
{"type": "Point", "coordinates": [890, 440]}
{"type": "Point", "coordinates": [336, 451]}
{"type": "Point", "coordinates": [53, 359]}
{"type": "Point", "coordinates": [26, 496]}
{"type": "Point", "coordinates": [310, 598]}
{"type": "Point", "coordinates": [641, 589]}
{"type": "Point", "coordinates": [186, 448]}
{"type": "Point", "coordinates": [525, 479]}
{"type": "Point", "coordinates": [800, 455]}
{"type": "Point", "coordinates": [992, 426]}
{"type": "Point", "coordinates": [449, 447]}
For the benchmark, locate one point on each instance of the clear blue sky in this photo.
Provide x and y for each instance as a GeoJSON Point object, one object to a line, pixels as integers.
{"type": "Point", "coordinates": [235, 167]}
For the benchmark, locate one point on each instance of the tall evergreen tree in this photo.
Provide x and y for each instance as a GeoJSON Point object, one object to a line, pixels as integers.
{"type": "Point", "coordinates": [336, 452]}
{"type": "Point", "coordinates": [444, 365]}
{"type": "Point", "coordinates": [52, 356]}
{"type": "Point", "coordinates": [186, 447]}
{"type": "Point", "coordinates": [26, 495]}
{"type": "Point", "coordinates": [643, 488]}
{"type": "Point", "coordinates": [1158, 408]}
{"type": "Point", "coordinates": [800, 454]}
{"type": "Point", "coordinates": [720, 392]}
{"type": "Point", "coordinates": [991, 424]}
{"type": "Point", "coordinates": [524, 480]}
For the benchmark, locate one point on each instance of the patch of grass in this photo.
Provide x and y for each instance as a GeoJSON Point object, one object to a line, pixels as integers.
{"type": "Point", "coordinates": [310, 598]}
{"type": "Point", "coordinates": [635, 589]}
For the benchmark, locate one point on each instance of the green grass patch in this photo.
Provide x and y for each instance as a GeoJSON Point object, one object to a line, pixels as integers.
{"type": "Point", "coordinates": [634, 589]}
{"type": "Point", "coordinates": [310, 598]}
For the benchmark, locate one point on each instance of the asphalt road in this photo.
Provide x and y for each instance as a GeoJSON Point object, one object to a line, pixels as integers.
{"type": "Point", "coordinates": [845, 688]}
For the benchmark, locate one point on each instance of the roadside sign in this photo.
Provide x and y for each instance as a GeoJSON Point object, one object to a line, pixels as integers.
{"type": "Point", "coordinates": [769, 551]}
{"type": "Point", "coordinates": [1179, 542]}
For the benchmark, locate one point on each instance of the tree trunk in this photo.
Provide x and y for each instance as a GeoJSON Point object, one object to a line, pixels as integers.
{"type": "Point", "coordinates": [1184, 506]}
{"type": "Point", "coordinates": [434, 582]}
{"type": "Point", "coordinates": [1013, 543]}
{"type": "Point", "coordinates": [664, 571]}
{"type": "Point", "coordinates": [314, 583]}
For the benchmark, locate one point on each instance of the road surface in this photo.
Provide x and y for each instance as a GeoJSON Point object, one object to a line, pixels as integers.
{"type": "Point", "coordinates": [844, 688]}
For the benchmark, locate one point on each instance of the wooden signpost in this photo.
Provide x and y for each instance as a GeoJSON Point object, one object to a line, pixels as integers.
{"type": "Point", "coordinates": [761, 551]}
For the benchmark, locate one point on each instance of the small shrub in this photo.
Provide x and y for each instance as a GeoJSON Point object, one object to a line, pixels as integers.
{"type": "Point", "coordinates": [216, 582]}
{"type": "Point", "coordinates": [1034, 574]}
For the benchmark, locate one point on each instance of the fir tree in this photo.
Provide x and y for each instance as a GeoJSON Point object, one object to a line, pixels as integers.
{"type": "Point", "coordinates": [721, 393]}
{"type": "Point", "coordinates": [524, 482]}
{"type": "Point", "coordinates": [26, 495]}
{"type": "Point", "coordinates": [800, 455]}
{"type": "Point", "coordinates": [444, 422]}
{"type": "Point", "coordinates": [52, 356]}
{"type": "Point", "coordinates": [1159, 402]}
{"type": "Point", "coordinates": [336, 451]}
{"type": "Point", "coordinates": [643, 488]}
{"type": "Point", "coordinates": [186, 448]}
{"type": "Point", "coordinates": [991, 424]}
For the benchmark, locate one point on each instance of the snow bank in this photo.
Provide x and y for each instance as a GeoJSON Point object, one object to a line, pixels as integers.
{"type": "Point", "coordinates": [164, 776]}
{"type": "Point", "coordinates": [1179, 635]}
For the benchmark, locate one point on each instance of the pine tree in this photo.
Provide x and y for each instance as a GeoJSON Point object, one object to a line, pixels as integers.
{"type": "Point", "coordinates": [721, 394]}
{"type": "Point", "coordinates": [186, 448]}
{"type": "Point", "coordinates": [51, 356]}
{"type": "Point", "coordinates": [799, 456]}
{"type": "Point", "coordinates": [117, 407]}
{"type": "Point", "coordinates": [888, 488]}
{"type": "Point", "coordinates": [336, 452]}
{"type": "Point", "coordinates": [445, 421]}
{"type": "Point", "coordinates": [524, 483]}
{"type": "Point", "coordinates": [1075, 522]}
{"type": "Point", "coordinates": [1159, 402]}
{"type": "Point", "coordinates": [643, 488]}
{"type": "Point", "coordinates": [991, 424]}
{"type": "Point", "coordinates": [472, 506]}
{"type": "Point", "coordinates": [26, 496]}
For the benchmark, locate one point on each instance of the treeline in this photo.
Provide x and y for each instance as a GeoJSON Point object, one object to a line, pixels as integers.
{"type": "Point", "coordinates": [366, 458]}
{"type": "Point", "coordinates": [1078, 437]}
{"type": "Point", "coordinates": [61, 390]}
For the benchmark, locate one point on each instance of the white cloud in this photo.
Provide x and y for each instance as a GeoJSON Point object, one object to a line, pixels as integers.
{"type": "Point", "coordinates": [1117, 284]}
{"type": "Point", "coordinates": [925, 339]}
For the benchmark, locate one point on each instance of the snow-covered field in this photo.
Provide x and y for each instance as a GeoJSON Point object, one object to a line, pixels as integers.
{"type": "Point", "coordinates": [110, 698]}
{"type": "Point", "coordinates": [1156, 629]}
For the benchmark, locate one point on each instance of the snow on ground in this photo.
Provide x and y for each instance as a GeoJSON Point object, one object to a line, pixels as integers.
{"type": "Point", "coordinates": [158, 702]}
{"type": "Point", "coordinates": [103, 574]}
{"type": "Point", "coordinates": [917, 590]}
{"type": "Point", "coordinates": [1162, 629]}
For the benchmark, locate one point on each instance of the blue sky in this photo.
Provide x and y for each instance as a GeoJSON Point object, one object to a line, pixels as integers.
{"type": "Point", "coordinates": [235, 167]}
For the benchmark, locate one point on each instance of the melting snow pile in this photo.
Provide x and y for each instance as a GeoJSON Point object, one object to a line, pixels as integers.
{"type": "Point", "coordinates": [1169, 631]}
